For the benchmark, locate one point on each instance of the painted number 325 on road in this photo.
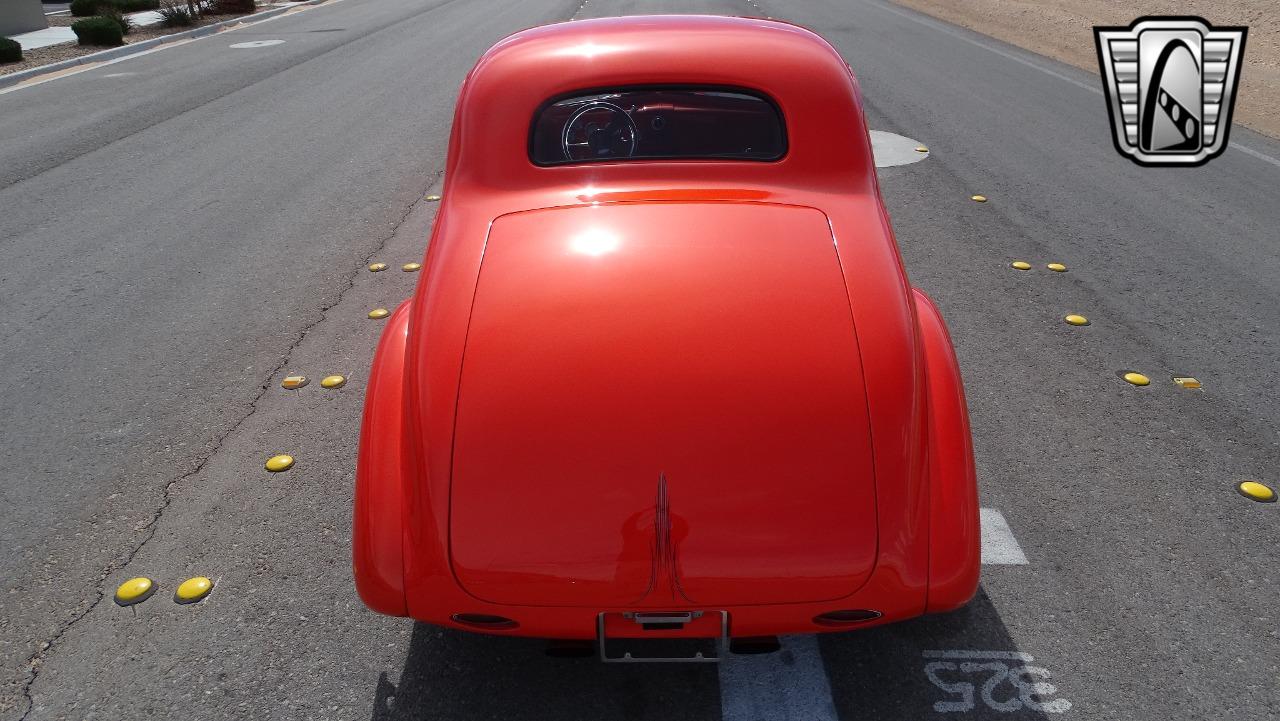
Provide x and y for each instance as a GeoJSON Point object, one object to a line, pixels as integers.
{"type": "Point", "coordinates": [1004, 681]}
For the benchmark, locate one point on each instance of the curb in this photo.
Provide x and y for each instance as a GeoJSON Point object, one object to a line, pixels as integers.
{"type": "Point", "coordinates": [135, 48]}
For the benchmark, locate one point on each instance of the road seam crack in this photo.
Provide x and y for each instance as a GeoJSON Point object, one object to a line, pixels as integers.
{"type": "Point", "coordinates": [36, 660]}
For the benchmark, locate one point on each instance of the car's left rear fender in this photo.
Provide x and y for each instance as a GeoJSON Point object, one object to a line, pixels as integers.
{"type": "Point", "coordinates": [377, 533]}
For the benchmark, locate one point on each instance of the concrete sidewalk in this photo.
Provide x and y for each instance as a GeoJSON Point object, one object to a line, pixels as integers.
{"type": "Point", "coordinates": [44, 38]}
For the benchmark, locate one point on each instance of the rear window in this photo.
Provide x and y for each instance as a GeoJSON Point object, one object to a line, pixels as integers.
{"type": "Point", "coordinates": [657, 123]}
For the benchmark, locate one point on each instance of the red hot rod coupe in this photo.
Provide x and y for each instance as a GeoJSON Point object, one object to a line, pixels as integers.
{"type": "Point", "coordinates": [663, 372]}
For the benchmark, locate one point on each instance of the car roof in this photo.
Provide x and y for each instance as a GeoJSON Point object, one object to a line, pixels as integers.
{"type": "Point", "coordinates": [811, 84]}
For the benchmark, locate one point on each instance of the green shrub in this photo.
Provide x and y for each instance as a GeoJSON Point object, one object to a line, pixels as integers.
{"type": "Point", "coordinates": [113, 13]}
{"type": "Point", "coordinates": [133, 6]}
{"type": "Point", "coordinates": [10, 51]}
{"type": "Point", "coordinates": [86, 8]}
{"type": "Point", "coordinates": [98, 31]}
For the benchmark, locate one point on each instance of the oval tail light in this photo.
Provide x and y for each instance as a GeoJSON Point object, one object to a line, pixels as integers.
{"type": "Point", "coordinates": [485, 621]}
{"type": "Point", "coordinates": [848, 617]}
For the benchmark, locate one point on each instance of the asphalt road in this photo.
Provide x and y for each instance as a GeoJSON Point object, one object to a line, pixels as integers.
{"type": "Point", "coordinates": [180, 230]}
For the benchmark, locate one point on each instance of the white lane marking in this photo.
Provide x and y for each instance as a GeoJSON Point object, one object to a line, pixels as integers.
{"type": "Point", "coordinates": [781, 686]}
{"type": "Point", "coordinates": [1250, 151]}
{"type": "Point", "coordinates": [792, 683]}
{"type": "Point", "coordinates": [944, 28]}
{"type": "Point", "coordinates": [890, 149]}
{"type": "Point", "coordinates": [76, 70]}
{"type": "Point", "coordinates": [257, 44]}
{"type": "Point", "coordinates": [999, 547]}
{"type": "Point", "coordinates": [1031, 687]}
{"type": "Point", "coordinates": [940, 27]}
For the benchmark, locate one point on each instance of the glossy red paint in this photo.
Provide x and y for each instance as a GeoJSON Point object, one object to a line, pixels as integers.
{"type": "Point", "coordinates": [376, 543]}
{"type": "Point", "coordinates": [955, 539]}
{"type": "Point", "coordinates": [688, 355]}
{"type": "Point", "coordinates": [666, 385]}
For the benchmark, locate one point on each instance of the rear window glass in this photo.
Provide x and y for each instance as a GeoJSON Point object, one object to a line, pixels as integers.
{"type": "Point", "coordinates": [658, 123]}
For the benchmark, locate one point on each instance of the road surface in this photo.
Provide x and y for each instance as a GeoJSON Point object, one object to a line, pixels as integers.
{"type": "Point", "coordinates": [179, 230]}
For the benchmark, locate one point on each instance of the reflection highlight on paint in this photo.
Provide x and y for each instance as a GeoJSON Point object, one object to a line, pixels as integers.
{"type": "Point", "coordinates": [595, 242]}
{"type": "Point", "coordinates": [588, 50]}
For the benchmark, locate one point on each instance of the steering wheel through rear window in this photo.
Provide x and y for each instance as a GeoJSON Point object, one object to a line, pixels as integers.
{"type": "Point", "coordinates": [598, 131]}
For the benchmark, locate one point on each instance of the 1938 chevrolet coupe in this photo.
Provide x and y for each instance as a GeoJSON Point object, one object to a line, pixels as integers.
{"type": "Point", "coordinates": [663, 372]}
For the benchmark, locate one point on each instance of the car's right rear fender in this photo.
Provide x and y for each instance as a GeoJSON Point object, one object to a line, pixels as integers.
{"type": "Point", "coordinates": [954, 535]}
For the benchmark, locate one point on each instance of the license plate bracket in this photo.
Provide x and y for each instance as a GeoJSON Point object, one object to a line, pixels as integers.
{"type": "Point", "coordinates": [666, 625]}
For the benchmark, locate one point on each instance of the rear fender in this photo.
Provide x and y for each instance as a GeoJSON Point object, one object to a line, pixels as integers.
{"type": "Point", "coordinates": [376, 550]}
{"type": "Point", "coordinates": [954, 535]}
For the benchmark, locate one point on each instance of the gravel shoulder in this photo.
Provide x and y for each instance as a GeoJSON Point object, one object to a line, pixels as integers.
{"type": "Point", "coordinates": [1063, 29]}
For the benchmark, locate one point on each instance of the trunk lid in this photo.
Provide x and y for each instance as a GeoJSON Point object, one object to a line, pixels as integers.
{"type": "Point", "coordinates": [662, 404]}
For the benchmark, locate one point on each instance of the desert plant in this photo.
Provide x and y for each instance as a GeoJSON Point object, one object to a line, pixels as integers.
{"type": "Point", "coordinates": [231, 7]}
{"type": "Point", "coordinates": [10, 51]}
{"type": "Point", "coordinates": [86, 8]}
{"type": "Point", "coordinates": [174, 15]}
{"type": "Point", "coordinates": [112, 12]}
{"type": "Point", "coordinates": [98, 31]}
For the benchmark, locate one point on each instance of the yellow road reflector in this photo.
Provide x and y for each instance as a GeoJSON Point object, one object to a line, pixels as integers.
{"type": "Point", "coordinates": [1020, 265]}
{"type": "Point", "coordinates": [1186, 382]}
{"type": "Point", "coordinates": [433, 198]}
{"type": "Point", "coordinates": [192, 590]}
{"type": "Point", "coordinates": [1257, 492]}
{"type": "Point", "coordinates": [1057, 267]}
{"type": "Point", "coordinates": [1136, 379]}
{"type": "Point", "coordinates": [379, 313]}
{"type": "Point", "coordinates": [377, 267]}
{"type": "Point", "coordinates": [921, 149]}
{"type": "Point", "coordinates": [978, 198]}
{"type": "Point", "coordinates": [334, 381]}
{"type": "Point", "coordinates": [1074, 319]}
{"type": "Point", "coordinates": [292, 382]}
{"type": "Point", "coordinates": [135, 590]}
{"type": "Point", "coordinates": [282, 462]}
{"type": "Point", "coordinates": [410, 267]}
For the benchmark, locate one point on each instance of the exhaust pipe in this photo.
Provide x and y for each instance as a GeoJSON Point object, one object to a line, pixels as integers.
{"type": "Point", "coordinates": [570, 648]}
{"type": "Point", "coordinates": [752, 645]}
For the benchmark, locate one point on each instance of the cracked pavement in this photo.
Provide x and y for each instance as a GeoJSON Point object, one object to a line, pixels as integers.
{"type": "Point", "coordinates": [231, 509]}
{"type": "Point", "coordinates": [165, 254]}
